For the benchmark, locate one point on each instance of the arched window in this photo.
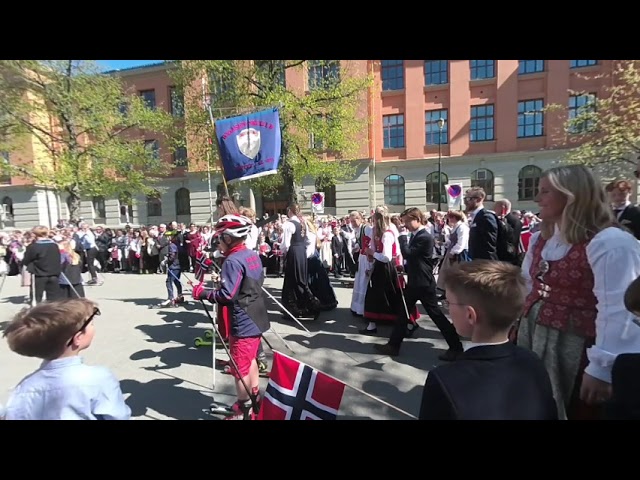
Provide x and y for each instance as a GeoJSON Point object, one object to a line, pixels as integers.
{"type": "Point", "coordinates": [154, 205]}
{"type": "Point", "coordinates": [528, 180]}
{"type": "Point", "coordinates": [394, 190]}
{"type": "Point", "coordinates": [432, 188]}
{"type": "Point", "coordinates": [483, 178]}
{"type": "Point", "coordinates": [329, 189]}
{"type": "Point", "coordinates": [7, 205]}
{"type": "Point", "coordinates": [183, 202]}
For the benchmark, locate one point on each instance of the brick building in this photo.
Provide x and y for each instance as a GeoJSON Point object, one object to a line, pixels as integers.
{"type": "Point", "coordinates": [483, 119]}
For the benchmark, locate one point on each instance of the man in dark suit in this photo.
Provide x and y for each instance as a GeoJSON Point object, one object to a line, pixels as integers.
{"type": "Point", "coordinates": [494, 379]}
{"type": "Point", "coordinates": [421, 285]}
{"type": "Point", "coordinates": [503, 210]}
{"type": "Point", "coordinates": [483, 231]}
{"type": "Point", "coordinates": [628, 215]}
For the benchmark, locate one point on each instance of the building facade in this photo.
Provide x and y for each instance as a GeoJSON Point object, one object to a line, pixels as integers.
{"type": "Point", "coordinates": [477, 122]}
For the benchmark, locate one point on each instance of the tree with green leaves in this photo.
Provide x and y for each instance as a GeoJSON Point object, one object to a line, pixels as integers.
{"type": "Point", "coordinates": [321, 126]}
{"type": "Point", "coordinates": [85, 129]}
{"type": "Point", "coordinates": [604, 132]}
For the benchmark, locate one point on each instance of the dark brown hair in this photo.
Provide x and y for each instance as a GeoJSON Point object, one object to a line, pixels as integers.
{"type": "Point", "coordinates": [413, 213]}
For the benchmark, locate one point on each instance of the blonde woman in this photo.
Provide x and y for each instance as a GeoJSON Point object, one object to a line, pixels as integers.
{"type": "Point", "coordinates": [578, 267]}
{"type": "Point", "coordinates": [71, 276]}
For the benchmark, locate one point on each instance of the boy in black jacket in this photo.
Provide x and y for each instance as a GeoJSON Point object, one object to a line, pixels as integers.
{"type": "Point", "coordinates": [493, 379]}
{"type": "Point", "coordinates": [42, 259]}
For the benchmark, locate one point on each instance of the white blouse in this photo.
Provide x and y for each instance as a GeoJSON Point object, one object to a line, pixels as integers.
{"type": "Point", "coordinates": [388, 239]}
{"type": "Point", "coordinates": [614, 256]}
{"type": "Point", "coordinates": [462, 244]}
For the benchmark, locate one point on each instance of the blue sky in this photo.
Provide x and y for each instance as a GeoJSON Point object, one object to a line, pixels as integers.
{"type": "Point", "coordinates": [119, 64]}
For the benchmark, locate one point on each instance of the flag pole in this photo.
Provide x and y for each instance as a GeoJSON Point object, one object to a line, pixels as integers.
{"type": "Point", "coordinates": [372, 397]}
{"type": "Point", "coordinates": [207, 105]}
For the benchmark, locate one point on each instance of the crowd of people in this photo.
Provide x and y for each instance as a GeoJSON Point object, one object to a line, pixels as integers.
{"type": "Point", "coordinates": [540, 304]}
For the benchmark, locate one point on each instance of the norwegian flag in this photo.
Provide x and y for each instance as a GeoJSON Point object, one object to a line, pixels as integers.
{"type": "Point", "coordinates": [525, 236]}
{"type": "Point", "coordinates": [203, 264]}
{"type": "Point", "coordinates": [298, 392]}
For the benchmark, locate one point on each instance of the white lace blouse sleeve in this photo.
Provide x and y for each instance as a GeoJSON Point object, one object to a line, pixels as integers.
{"type": "Point", "coordinates": [614, 256]}
{"type": "Point", "coordinates": [388, 239]}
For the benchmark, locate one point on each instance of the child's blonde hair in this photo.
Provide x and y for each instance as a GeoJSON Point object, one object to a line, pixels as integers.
{"type": "Point", "coordinates": [66, 248]}
{"type": "Point", "coordinates": [45, 330]}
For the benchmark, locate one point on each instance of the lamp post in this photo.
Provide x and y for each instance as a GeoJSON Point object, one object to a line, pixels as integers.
{"type": "Point", "coordinates": [440, 127]}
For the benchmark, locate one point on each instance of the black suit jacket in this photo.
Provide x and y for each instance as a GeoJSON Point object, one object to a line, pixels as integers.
{"type": "Point", "coordinates": [625, 401]}
{"type": "Point", "coordinates": [491, 382]}
{"type": "Point", "coordinates": [418, 255]}
{"type": "Point", "coordinates": [630, 219]}
{"type": "Point", "coordinates": [483, 236]}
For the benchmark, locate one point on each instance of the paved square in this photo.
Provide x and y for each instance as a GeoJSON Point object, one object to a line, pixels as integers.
{"type": "Point", "coordinates": [164, 376]}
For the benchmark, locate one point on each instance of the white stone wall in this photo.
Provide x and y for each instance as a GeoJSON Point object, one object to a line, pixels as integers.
{"type": "Point", "coordinates": [34, 206]}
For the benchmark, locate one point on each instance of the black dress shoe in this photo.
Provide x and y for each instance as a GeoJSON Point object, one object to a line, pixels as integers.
{"type": "Point", "coordinates": [412, 331]}
{"type": "Point", "coordinates": [450, 355]}
{"type": "Point", "coordinates": [387, 349]}
{"type": "Point", "coordinates": [364, 331]}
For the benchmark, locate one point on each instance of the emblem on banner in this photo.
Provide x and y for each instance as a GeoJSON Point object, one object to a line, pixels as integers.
{"type": "Point", "coordinates": [249, 142]}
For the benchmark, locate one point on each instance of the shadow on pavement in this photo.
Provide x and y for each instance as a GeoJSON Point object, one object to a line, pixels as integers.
{"type": "Point", "coordinates": [174, 357]}
{"type": "Point", "coordinates": [407, 401]}
{"type": "Point", "coordinates": [166, 397]}
{"type": "Point", "coordinates": [17, 300]}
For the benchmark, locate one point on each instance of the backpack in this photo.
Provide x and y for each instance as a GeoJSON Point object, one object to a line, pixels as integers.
{"type": "Point", "coordinates": [505, 250]}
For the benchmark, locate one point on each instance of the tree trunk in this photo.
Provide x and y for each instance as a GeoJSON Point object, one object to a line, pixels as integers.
{"type": "Point", "coordinates": [74, 206]}
{"type": "Point", "coordinates": [287, 176]}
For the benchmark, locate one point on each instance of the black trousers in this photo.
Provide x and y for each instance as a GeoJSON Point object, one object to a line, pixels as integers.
{"type": "Point", "coordinates": [48, 285]}
{"type": "Point", "coordinates": [92, 254]}
{"type": "Point", "coordinates": [428, 298]}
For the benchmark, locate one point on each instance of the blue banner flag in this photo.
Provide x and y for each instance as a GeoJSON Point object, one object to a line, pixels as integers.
{"type": "Point", "coordinates": [250, 145]}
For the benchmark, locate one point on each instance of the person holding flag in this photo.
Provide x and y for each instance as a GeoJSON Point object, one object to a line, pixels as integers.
{"type": "Point", "coordinates": [240, 289]}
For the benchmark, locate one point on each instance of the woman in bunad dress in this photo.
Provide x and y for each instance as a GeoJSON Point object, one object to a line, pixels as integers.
{"type": "Point", "coordinates": [457, 246]}
{"type": "Point", "coordinates": [361, 281]}
{"type": "Point", "coordinates": [383, 299]}
{"type": "Point", "coordinates": [577, 268]}
{"type": "Point", "coordinates": [324, 235]}
{"type": "Point", "coordinates": [319, 282]}
{"type": "Point", "coordinates": [296, 295]}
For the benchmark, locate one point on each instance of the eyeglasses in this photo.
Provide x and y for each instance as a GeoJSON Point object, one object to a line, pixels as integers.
{"type": "Point", "coordinates": [469, 198]}
{"type": "Point", "coordinates": [96, 311]}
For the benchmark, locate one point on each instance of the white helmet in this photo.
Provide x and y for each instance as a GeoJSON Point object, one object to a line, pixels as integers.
{"type": "Point", "coordinates": [236, 226]}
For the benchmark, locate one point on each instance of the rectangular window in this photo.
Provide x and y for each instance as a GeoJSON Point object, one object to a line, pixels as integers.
{"type": "Point", "coordinates": [581, 105]}
{"type": "Point", "coordinates": [582, 63]}
{"type": "Point", "coordinates": [481, 69]}
{"type": "Point", "coordinates": [436, 72]}
{"type": "Point", "coordinates": [481, 128]}
{"type": "Point", "coordinates": [530, 118]}
{"type": "Point", "coordinates": [393, 131]}
{"type": "Point", "coordinates": [433, 134]}
{"type": "Point", "coordinates": [392, 75]}
{"type": "Point", "coordinates": [530, 66]}
{"type": "Point", "coordinates": [149, 98]}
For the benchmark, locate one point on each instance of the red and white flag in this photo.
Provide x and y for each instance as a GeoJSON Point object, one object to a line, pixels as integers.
{"type": "Point", "coordinates": [202, 266]}
{"type": "Point", "coordinates": [298, 392]}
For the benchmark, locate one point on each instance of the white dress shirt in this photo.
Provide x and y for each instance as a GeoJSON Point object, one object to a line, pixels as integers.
{"type": "Point", "coordinates": [288, 229]}
{"type": "Point", "coordinates": [614, 256]}
{"type": "Point", "coordinates": [462, 230]}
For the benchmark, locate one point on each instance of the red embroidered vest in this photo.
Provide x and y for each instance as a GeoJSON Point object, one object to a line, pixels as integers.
{"type": "Point", "coordinates": [566, 290]}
